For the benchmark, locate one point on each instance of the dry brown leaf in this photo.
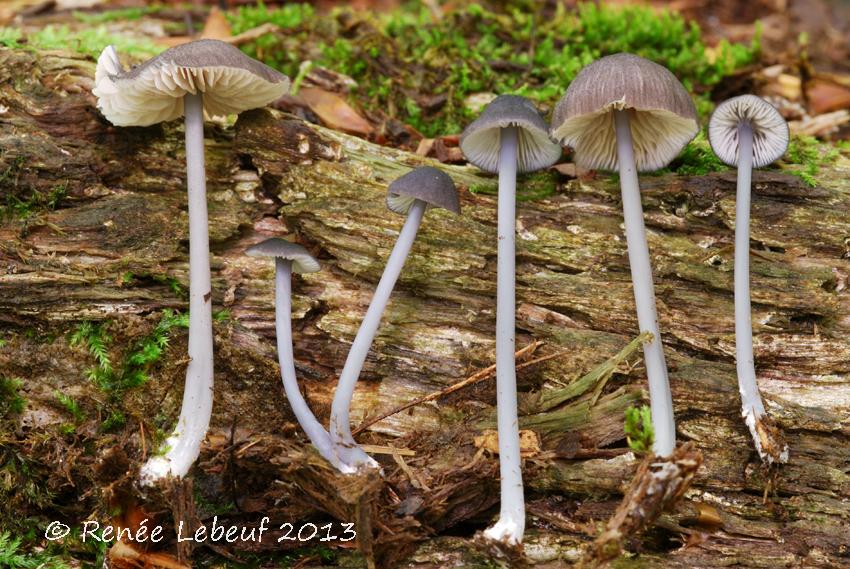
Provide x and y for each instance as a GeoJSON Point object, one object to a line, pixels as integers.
{"type": "Point", "coordinates": [334, 111]}
{"type": "Point", "coordinates": [216, 27]}
{"type": "Point", "coordinates": [825, 96]}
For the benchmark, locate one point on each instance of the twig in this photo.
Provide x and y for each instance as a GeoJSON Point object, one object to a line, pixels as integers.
{"type": "Point", "coordinates": [478, 376]}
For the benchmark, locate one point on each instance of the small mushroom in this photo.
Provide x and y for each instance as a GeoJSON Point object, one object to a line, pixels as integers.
{"type": "Point", "coordinates": [749, 132]}
{"type": "Point", "coordinates": [626, 112]}
{"type": "Point", "coordinates": [410, 195]}
{"type": "Point", "coordinates": [293, 258]}
{"type": "Point", "coordinates": [202, 77]}
{"type": "Point", "coordinates": [509, 136]}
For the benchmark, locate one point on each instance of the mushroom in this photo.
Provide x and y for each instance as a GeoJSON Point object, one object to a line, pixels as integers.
{"type": "Point", "coordinates": [410, 195]}
{"type": "Point", "coordinates": [626, 112]}
{"type": "Point", "coordinates": [293, 258]}
{"type": "Point", "coordinates": [202, 77]}
{"type": "Point", "coordinates": [749, 132]}
{"type": "Point", "coordinates": [509, 136]}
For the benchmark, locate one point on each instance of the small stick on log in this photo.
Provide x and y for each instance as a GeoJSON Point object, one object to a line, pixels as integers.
{"type": "Point", "coordinates": [476, 377]}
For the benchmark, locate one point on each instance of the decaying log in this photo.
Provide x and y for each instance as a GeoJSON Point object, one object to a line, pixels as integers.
{"type": "Point", "coordinates": [102, 236]}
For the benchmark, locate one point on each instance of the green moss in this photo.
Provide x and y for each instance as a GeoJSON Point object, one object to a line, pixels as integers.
{"type": "Point", "coordinates": [119, 15]}
{"type": "Point", "coordinates": [638, 428]}
{"type": "Point", "coordinates": [90, 41]}
{"type": "Point", "coordinates": [806, 156]}
{"type": "Point", "coordinates": [11, 402]}
{"type": "Point", "coordinates": [133, 369]}
{"type": "Point", "coordinates": [420, 71]}
{"type": "Point", "coordinates": [12, 556]}
{"type": "Point", "coordinates": [697, 159]}
{"type": "Point", "coordinates": [536, 186]}
{"type": "Point", "coordinates": [70, 405]}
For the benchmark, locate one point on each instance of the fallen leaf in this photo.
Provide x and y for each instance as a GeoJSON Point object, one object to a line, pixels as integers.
{"type": "Point", "coordinates": [216, 27]}
{"type": "Point", "coordinates": [334, 111]}
{"type": "Point", "coordinates": [825, 96]}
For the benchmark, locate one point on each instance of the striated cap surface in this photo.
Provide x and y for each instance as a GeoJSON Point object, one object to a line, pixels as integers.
{"type": "Point", "coordinates": [427, 184]}
{"type": "Point", "coordinates": [662, 115]}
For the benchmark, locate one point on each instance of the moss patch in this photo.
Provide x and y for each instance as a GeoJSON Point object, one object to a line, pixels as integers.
{"type": "Point", "coordinates": [420, 71]}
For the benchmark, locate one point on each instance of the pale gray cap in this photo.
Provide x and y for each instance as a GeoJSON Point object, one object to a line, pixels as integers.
{"type": "Point", "coordinates": [231, 82]}
{"type": "Point", "coordinates": [427, 184]}
{"type": "Point", "coordinates": [302, 260]}
{"type": "Point", "coordinates": [481, 140]}
{"type": "Point", "coordinates": [770, 131]}
{"type": "Point", "coordinates": [662, 115]}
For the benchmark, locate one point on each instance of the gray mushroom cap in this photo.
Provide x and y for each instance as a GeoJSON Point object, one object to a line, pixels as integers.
{"type": "Point", "coordinates": [427, 184]}
{"type": "Point", "coordinates": [481, 140]}
{"type": "Point", "coordinates": [662, 115]}
{"type": "Point", "coordinates": [302, 261]}
{"type": "Point", "coordinates": [770, 131]}
{"type": "Point", "coordinates": [152, 92]}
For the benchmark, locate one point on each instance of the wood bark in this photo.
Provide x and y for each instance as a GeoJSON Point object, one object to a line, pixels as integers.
{"type": "Point", "coordinates": [115, 243]}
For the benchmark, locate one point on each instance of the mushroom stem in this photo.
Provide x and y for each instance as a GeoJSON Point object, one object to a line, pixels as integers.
{"type": "Point", "coordinates": [184, 444]}
{"type": "Point", "coordinates": [661, 401]}
{"type": "Point", "coordinates": [752, 407]}
{"type": "Point", "coordinates": [283, 326]}
{"type": "Point", "coordinates": [511, 524]}
{"type": "Point", "coordinates": [340, 425]}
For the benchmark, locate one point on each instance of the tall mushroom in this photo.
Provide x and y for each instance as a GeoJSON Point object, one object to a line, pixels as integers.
{"type": "Point", "coordinates": [293, 258]}
{"type": "Point", "coordinates": [410, 195]}
{"type": "Point", "coordinates": [626, 112]}
{"type": "Point", "coordinates": [748, 132]}
{"type": "Point", "coordinates": [202, 77]}
{"type": "Point", "coordinates": [509, 136]}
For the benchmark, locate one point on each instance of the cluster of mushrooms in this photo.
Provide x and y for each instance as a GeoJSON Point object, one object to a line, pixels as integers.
{"type": "Point", "coordinates": [622, 112]}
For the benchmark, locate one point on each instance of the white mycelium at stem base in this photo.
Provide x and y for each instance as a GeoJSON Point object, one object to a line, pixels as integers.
{"type": "Point", "coordinates": [184, 444]}
{"type": "Point", "coordinates": [511, 523]}
{"type": "Point", "coordinates": [283, 326]}
{"type": "Point", "coordinates": [661, 401]}
{"type": "Point", "coordinates": [340, 426]}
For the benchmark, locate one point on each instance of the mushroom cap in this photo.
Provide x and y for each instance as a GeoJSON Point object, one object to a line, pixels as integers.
{"type": "Point", "coordinates": [302, 260]}
{"type": "Point", "coordinates": [481, 140]}
{"type": "Point", "coordinates": [152, 92]}
{"type": "Point", "coordinates": [662, 115]}
{"type": "Point", "coordinates": [432, 186]}
{"type": "Point", "coordinates": [770, 131]}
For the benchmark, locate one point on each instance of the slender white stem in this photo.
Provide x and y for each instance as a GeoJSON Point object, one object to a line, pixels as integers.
{"type": "Point", "coordinates": [340, 425]}
{"type": "Point", "coordinates": [283, 326]}
{"type": "Point", "coordinates": [184, 444]}
{"type": "Point", "coordinates": [511, 524]}
{"type": "Point", "coordinates": [750, 398]}
{"type": "Point", "coordinates": [661, 401]}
